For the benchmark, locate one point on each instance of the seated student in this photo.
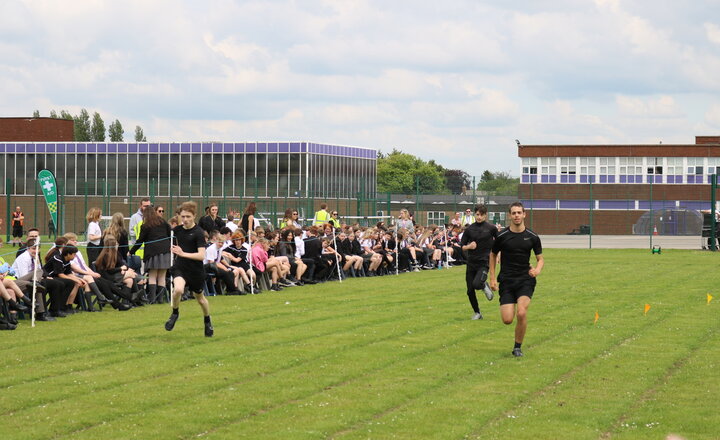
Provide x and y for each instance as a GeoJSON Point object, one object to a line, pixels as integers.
{"type": "Point", "coordinates": [32, 234]}
{"type": "Point", "coordinates": [348, 259]}
{"type": "Point", "coordinates": [372, 258]}
{"type": "Point", "coordinates": [261, 260]}
{"type": "Point", "coordinates": [330, 256]}
{"type": "Point", "coordinates": [237, 256]}
{"type": "Point", "coordinates": [113, 269]}
{"type": "Point", "coordinates": [387, 245]}
{"type": "Point", "coordinates": [313, 252]}
{"type": "Point", "coordinates": [299, 239]}
{"type": "Point", "coordinates": [102, 288]}
{"type": "Point", "coordinates": [214, 264]}
{"type": "Point", "coordinates": [11, 293]}
{"type": "Point", "coordinates": [442, 243]}
{"type": "Point", "coordinates": [57, 267]}
{"type": "Point", "coordinates": [286, 248]}
{"type": "Point", "coordinates": [274, 237]}
{"type": "Point", "coordinates": [26, 269]}
{"type": "Point", "coordinates": [230, 224]}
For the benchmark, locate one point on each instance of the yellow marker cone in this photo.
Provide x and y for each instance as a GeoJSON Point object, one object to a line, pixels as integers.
{"type": "Point", "coordinates": [709, 298]}
{"type": "Point", "coordinates": [597, 316]}
{"type": "Point", "coordinates": [647, 307]}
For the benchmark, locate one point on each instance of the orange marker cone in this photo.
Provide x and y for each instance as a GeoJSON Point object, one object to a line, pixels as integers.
{"type": "Point", "coordinates": [709, 298]}
{"type": "Point", "coordinates": [647, 307]}
{"type": "Point", "coordinates": [655, 230]}
{"type": "Point", "coordinates": [597, 316]}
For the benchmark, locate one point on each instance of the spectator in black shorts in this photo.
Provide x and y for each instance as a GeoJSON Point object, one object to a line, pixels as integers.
{"type": "Point", "coordinates": [188, 268]}
{"type": "Point", "coordinates": [517, 277]}
{"type": "Point", "coordinates": [18, 219]}
{"type": "Point", "coordinates": [477, 242]}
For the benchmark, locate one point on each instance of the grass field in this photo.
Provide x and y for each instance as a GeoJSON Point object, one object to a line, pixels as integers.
{"type": "Point", "coordinates": [389, 357]}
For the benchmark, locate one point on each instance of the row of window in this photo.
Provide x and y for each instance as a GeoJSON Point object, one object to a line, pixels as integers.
{"type": "Point", "coordinates": [189, 174]}
{"type": "Point", "coordinates": [620, 169]}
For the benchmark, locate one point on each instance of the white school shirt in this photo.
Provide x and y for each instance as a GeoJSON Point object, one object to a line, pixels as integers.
{"type": "Point", "coordinates": [94, 229]}
{"type": "Point", "coordinates": [233, 227]}
{"type": "Point", "coordinates": [23, 265]}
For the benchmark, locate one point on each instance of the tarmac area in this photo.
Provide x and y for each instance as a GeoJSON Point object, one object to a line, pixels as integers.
{"type": "Point", "coordinates": [623, 241]}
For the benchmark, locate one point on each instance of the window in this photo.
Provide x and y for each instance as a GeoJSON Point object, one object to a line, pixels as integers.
{"type": "Point", "coordinates": [568, 165]}
{"type": "Point", "coordinates": [588, 165]}
{"type": "Point", "coordinates": [607, 165]}
{"type": "Point", "coordinates": [529, 165]}
{"type": "Point", "coordinates": [695, 165]}
{"type": "Point", "coordinates": [654, 165]}
{"type": "Point", "coordinates": [674, 165]}
{"type": "Point", "coordinates": [548, 166]}
{"type": "Point", "coordinates": [631, 165]}
{"type": "Point", "coordinates": [436, 217]}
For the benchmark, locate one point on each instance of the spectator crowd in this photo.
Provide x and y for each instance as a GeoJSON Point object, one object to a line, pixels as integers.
{"type": "Point", "coordinates": [129, 267]}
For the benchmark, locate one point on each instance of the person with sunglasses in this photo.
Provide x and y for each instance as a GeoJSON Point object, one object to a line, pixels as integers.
{"type": "Point", "coordinates": [290, 220]}
{"type": "Point", "coordinates": [334, 220]}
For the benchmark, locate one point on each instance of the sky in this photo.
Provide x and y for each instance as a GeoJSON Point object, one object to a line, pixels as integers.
{"type": "Point", "coordinates": [455, 81]}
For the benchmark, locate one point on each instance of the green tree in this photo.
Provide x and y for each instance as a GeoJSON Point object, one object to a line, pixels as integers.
{"type": "Point", "coordinates": [66, 115]}
{"type": "Point", "coordinates": [53, 114]}
{"type": "Point", "coordinates": [36, 114]}
{"type": "Point", "coordinates": [115, 130]}
{"type": "Point", "coordinates": [139, 135]}
{"type": "Point", "coordinates": [97, 131]}
{"type": "Point", "coordinates": [82, 127]}
{"type": "Point", "coordinates": [457, 181]}
{"type": "Point", "coordinates": [499, 183]}
{"type": "Point", "coordinates": [400, 172]}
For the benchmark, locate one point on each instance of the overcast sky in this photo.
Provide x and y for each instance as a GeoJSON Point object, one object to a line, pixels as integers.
{"type": "Point", "coordinates": [455, 81]}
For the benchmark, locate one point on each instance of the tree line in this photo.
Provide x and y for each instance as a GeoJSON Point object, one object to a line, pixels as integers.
{"type": "Point", "coordinates": [87, 130]}
{"type": "Point", "coordinates": [403, 173]}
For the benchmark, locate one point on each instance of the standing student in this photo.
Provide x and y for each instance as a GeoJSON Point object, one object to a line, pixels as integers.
{"type": "Point", "coordinates": [188, 268]}
{"type": "Point", "coordinates": [247, 222]}
{"type": "Point", "coordinates": [18, 220]}
{"type": "Point", "coordinates": [477, 242]}
{"type": "Point", "coordinates": [517, 277]}
{"type": "Point", "coordinates": [155, 234]}
{"type": "Point", "coordinates": [94, 234]}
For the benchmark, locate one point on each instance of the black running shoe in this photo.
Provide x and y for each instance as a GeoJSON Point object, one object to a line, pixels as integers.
{"type": "Point", "coordinates": [209, 331]}
{"type": "Point", "coordinates": [517, 352]}
{"type": "Point", "coordinates": [170, 324]}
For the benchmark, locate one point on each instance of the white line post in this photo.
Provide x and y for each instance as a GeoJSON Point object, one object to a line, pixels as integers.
{"type": "Point", "coordinates": [250, 246]}
{"type": "Point", "coordinates": [34, 290]}
{"type": "Point", "coordinates": [337, 259]}
{"type": "Point", "coordinates": [172, 261]}
{"type": "Point", "coordinates": [447, 255]}
{"type": "Point", "coordinates": [397, 254]}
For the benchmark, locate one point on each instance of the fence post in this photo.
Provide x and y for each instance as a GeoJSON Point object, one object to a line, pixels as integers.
{"type": "Point", "coordinates": [652, 217]}
{"type": "Point", "coordinates": [713, 197]}
{"type": "Point", "coordinates": [152, 190]}
{"type": "Point", "coordinates": [592, 205]}
{"type": "Point", "coordinates": [8, 202]}
{"type": "Point", "coordinates": [35, 198]}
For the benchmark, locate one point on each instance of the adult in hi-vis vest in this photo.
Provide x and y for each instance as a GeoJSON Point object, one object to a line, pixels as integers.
{"type": "Point", "coordinates": [467, 218]}
{"type": "Point", "coordinates": [322, 216]}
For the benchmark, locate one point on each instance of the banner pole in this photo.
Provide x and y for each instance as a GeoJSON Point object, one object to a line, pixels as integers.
{"type": "Point", "coordinates": [34, 290]}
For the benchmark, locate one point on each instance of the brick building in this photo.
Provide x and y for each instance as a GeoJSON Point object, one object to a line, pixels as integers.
{"type": "Point", "coordinates": [36, 129]}
{"type": "Point", "coordinates": [619, 189]}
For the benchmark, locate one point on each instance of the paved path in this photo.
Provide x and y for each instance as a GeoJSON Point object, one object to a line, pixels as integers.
{"type": "Point", "coordinates": [621, 241]}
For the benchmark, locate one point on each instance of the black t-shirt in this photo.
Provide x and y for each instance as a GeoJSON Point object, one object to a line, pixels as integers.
{"type": "Point", "coordinates": [515, 248]}
{"type": "Point", "coordinates": [56, 265]}
{"type": "Point", "coordinates": [190, 241]}
{"type": "Point", "coordinates": [483, 234]}
{"type": "Point", "coordinates": [313, 248]}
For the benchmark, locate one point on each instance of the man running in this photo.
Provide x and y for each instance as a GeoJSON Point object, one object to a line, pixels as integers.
{"type": "Point", "coordinates": [477, 241]}
{"type": "Point", "coordinates": [188, 268]}
{"type": "Point", "coordinates": [517, 277]}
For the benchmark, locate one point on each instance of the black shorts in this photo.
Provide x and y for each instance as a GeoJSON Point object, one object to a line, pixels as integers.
{"type": "Point", "coordinates": [513, 288]}
{"type": "Point", "coordinates": [194, 277]}
{"type": "Point", "coordinates": [17, 231]}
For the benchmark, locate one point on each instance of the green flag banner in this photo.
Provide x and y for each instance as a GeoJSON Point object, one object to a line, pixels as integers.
{"type": "Point", "coordinates": [49, 189]}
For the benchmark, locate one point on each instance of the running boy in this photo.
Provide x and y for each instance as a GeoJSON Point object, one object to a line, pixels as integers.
{"type": "Point", "coordinates": [188, 268]}
{"type": "Point", "coordinates": [477, 241]}
{"type": "Point", "coordinates": [517, 277]}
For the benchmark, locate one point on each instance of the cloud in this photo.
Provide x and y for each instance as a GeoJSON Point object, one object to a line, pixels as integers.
{"type": "Point", "coordinates": [452, 81]}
